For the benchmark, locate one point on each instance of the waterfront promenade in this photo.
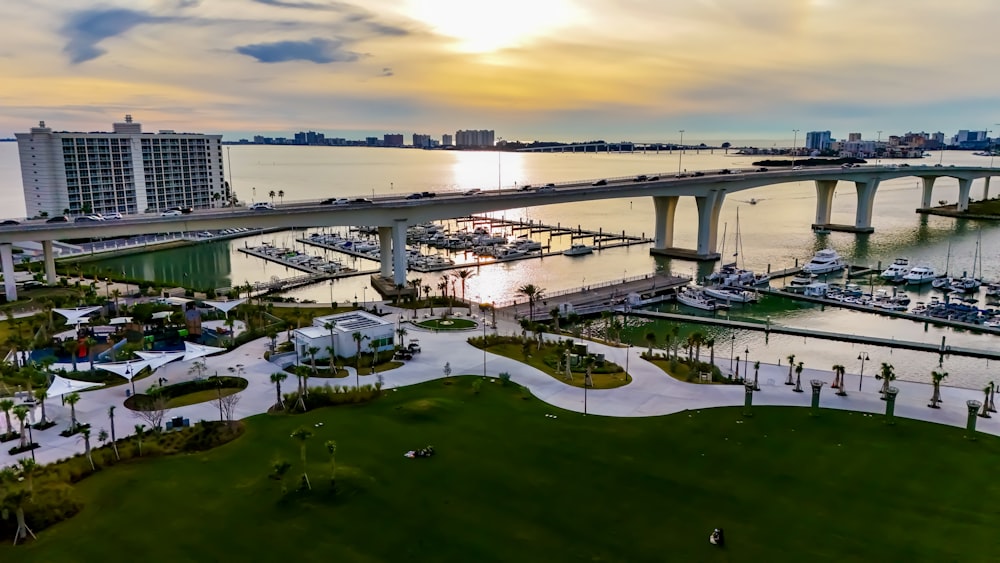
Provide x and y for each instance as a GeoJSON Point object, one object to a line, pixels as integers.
{"type": "Point", "coordinates": [650, 393]}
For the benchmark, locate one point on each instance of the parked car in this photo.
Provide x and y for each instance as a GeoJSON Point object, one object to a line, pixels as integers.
{"type": "Point", "coordinates": [762, 169]}
{"type": "Point", "coordinates": [171, 213]}
{"type": "Point", "coordinates": [724, 171]}
{"type": "Point", "coordinates": [58, 219]}
{"type": "Point", "coordinates": [796, 168]}
{"type": "Point", "coordinates": [600, 183]}
{"type": "Point", "coordinates": [335, 201]}
{"type": "Point", "coordinates": [113, 217]}
{"type": "Point", "coordinates": [524, 188]}
{"type": "Point", "coordinates": [261, 206]}
{"type": "Point", "coordinates": [653, 178]}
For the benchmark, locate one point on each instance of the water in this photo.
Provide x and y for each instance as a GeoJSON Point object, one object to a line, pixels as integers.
{"type": "Point", "coordinates": [774, 232]}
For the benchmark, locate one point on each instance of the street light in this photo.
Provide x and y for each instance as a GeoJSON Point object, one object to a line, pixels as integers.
{"type": "Point", "coordinates": [364, 294]}
{"type": "Point", "coordinates": [877, 143]}
{"type": "Point", "coordinates": [863, 356]}
{"type": "Point", "coordinates": [331, 293]}
{"type": "Point", "coordinates": [746, 362]}
{"type": "Point", "coordinates": [795, 141]}
{"type": "Point", "coordinates": [680, 152]}
{"type": "Point", "coordinates": [484, 346]}
{"type": "Point", "coordinates": [499, 152]}
{"type": "Point", "coordinates": [732, 352]}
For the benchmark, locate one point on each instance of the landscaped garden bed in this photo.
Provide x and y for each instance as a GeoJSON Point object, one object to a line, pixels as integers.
{"type": "Point", "coordinates": [187, 393]}
{"type": "Point", "coordinates": [552, 357]}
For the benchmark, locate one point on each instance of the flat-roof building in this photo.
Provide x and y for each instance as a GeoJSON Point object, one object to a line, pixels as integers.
{"type": "Point", "coordinates": [377, 334]}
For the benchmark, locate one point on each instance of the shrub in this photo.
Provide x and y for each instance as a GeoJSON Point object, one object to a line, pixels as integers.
{"type": "Point", "coordinates": [504, 378]}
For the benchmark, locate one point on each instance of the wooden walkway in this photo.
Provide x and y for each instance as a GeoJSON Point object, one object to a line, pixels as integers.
{"type": "Point", "coordinates": [942, 349]}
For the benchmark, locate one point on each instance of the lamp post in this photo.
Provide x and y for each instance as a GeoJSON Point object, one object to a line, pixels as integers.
{"type": "Point", "coordinates": [107, 289]}
{"type": "Point", "coordinates": [877, 146]}
{"type": "Point", "coordinates": [131, 379]}
{"type": "Point", "coordinates": [31, 442]}
{"type": "Point", "coordinates": [364, 294]}
{"type": "Point", "coordinates": [680, 152]}
{"type": "Point", "coordinates": [746, 362]}
{"type": "Point", "coordinates": [499, 176]}
{"type": "Point", "coordinates": [732, 352]}
{"type": "Point", "coordinates": [484, 346]}
{"type": "Point", "coordinates": [863, 356]}
{"type": "Point", "coordinates": [795, 141]}
{"type": "Point", "coordinates": [331, 293]}
{"type": "Point", "coordinates": [627, 350]}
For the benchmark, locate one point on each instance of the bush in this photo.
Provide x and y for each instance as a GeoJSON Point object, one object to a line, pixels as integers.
{"type": "Point", "coordinates": [328, 396]}
{"type": "Point", "coordinates": [504, 378]}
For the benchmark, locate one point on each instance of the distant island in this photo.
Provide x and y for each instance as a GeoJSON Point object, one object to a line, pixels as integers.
{"type": "Point", "coordinates": [810, 162]}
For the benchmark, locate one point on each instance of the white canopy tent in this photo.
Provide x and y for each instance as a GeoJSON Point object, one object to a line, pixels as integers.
{"type": "Point", "coordinates": [225, 306]}
{"type": "Point", "coordinates": [159, 359]}
{"type": "Point", "coordinates": [121, 320]}
{"type": "Point", "coordinates": [61, 386]}
{"type": "Point", "coordinates": [162, 314]}
{"type": "Point", "coordinates": [195, 351]}
{"type": "Point", "coordinates": [128, 369]}
{"type": "Point", "coordinates": [76, 315]}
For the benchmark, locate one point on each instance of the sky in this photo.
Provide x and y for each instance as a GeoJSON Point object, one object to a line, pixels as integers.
{"type": "Point", "coordinates": [561, 70]}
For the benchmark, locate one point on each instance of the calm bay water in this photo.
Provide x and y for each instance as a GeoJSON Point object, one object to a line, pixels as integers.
{"type": "Point", "coordinates": [774, 232]}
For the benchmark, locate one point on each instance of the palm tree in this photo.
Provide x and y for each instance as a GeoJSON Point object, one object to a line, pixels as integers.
{"type": "Point", "coordinates": [91, 342]}
{"type": "Point", "coordinates": [698, 339]}
{"type": "Point", "coordinates": [312, 350]}
{"type": "Point", "coordinates": [72, 399]}
{"type": "Point", "coordinates": [791, 366]}
{"type": "Point", "coordinates": [651, 341]}
{"type": "Point", "coordinates": [429, 298]}
{"type": "Point", "coordinates": [463, 275]}
{"type": "Point", "coordinates": [72, 346]}
{"type": "Point", "coordinates": [554, 313]}
{"type": "Point", "coordinates": [533, 293]}
{"type": "Point", "coordinates": [85, 433]}
{"type": "Point", "coordinates": [271, 194]}
{"type": "Point", "coordinates": [331, 448]}
{"type": "Point", "coordinates": [711, 348]}
{"type": "Point", "coordinates": [139, 428]}
{"type": "Point", "coordinates": [756, 368]}
{"type": "Point", "coordinates": [887, 374]}
{"type": "Point", "coordinates": [358, 339]}
{"type": "Point", "coordinates": [114, 439]}
{"type": "Point", "coordinates": [798, 377]}
{"type": "Point", "coordinates": [40, 396]}
{"type": "Point", "coordinates": [675, 331]}
{"type": "Point", "coordinates": [838, 379]}
{"type": "Point", "coordinates": [936, 377]}
{"type": "Point", "coordinates": [29, 468]}
{"type": "Point", "coordinates": [401, 333]}
{"type": "Point", "coordinates": [281, 196]}
{"type": "Point", "coordinates": [303, 434]}
{"type": "Point", "coordinates": [276, 378]}
{"type": "Point", "coordinates": [588, 364]}
{"type": "Point", "coordinates": [116, 294]}
{"type": "Point", "coordinates": [21, 413]}
{"type": "Point", "coordinates": [6, 405]}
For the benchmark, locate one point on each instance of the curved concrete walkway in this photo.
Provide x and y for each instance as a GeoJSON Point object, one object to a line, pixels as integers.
{"type": "Point", "coordinates": [651, 392]}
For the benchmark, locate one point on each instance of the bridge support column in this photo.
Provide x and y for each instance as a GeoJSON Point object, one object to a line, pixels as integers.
{"type": "Point", "coordinates": [986, 188]}
{"type": "Point", "coordinates": [665, 207]}
{"type": "Point", "coordinates": [964, 187]}
{"type": "Point", "coordinates": [866, 199]}
{"type": "Point", "coordinates": [399, 252]}
{"type": "Point", "coordinates": [7, 266]}
{"type": "Point", "coordinates": [709, 207]}
{"type": "Point", "coordinates": [824, 200]}
{"type": "Point", "coordinates": [928, 192]}
{"type": "Point", "coordinates": [50, 262]}
{"type": "Point", "coordinates": [385, 251]}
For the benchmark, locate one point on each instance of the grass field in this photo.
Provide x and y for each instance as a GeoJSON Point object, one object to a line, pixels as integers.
{"type": "Point", "coordinates": [509, 483]}
{"type": "Point", "coordinates": [616, 378]}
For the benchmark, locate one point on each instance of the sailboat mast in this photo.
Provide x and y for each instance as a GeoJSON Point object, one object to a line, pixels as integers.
{"type": "Point", "coordinates": [739, 241]}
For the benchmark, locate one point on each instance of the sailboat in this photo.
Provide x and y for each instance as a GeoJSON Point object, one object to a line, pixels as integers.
{"type": "Point", "coordinates": [944, 280]}
{"type": "Point", "coordinates": [968, 284]}
{"type": "Point", "coordinates": [735, 274]}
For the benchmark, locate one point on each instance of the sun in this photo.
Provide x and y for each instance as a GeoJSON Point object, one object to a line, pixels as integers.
{"type": "Point", "coordinates": [479, 26]}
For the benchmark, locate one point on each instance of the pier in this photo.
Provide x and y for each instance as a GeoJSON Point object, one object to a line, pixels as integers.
{"type": "Point", "coordinates": [768, 328]}
{"type": "Point", "coordinates": [601, 239]}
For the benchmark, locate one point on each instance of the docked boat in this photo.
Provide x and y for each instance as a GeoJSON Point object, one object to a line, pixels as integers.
{"type": "Point", "coordinates": [993, 290]}
{"type": "Point", "coordinates": [800, 282]}
{"type": "Point", "coordinates": [919, 275]}
{"type": "Point", "coordinates": [730, 294]}
{"type": "Point", "coordinates": [697, 299]}
{"type": "Point", "coordinates": [578, 250]}
{"type": "Point", "coordinates": [815, 289]}
{"type": "Point", "coordinates": [896, 272]}
{"type": "Point", "coordinates": [824, 262]}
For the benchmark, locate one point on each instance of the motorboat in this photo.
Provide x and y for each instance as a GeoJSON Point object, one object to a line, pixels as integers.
{"type": "Point", "coordinates": [919, 275]}
{"type": "Point", "coordinates": [965, 284]}
{"type": "Point", "coordinates": [815, 289]}
{"type": "Point", "coordinates": [578, 250]}
{"type": "Point", "coordinates": [824, 262]}
{"type": "Point", "coordinates": [697, 299]}
{"type": "Point", "coordinates": [993, 290]}
{"type": "Point", "coordinates": [896, 272]}
{"type": "Point", "coordinates": [800, 282]}
{"type": "Point", "coordinates": [730, 294]}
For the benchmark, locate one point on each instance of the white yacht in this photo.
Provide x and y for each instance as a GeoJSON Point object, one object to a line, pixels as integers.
{"type": "Point", "coordinates": [697, 299]}
{"type": "Point", "coordinates": [800, 282]}
{"type": "Point", "coordinates": [730, 294]}
{"type": "Point", "coordinates": [578, 250]}
{"type": "Point", "coordinates": [824, 262]}
{"type": "Point", "coordinates": [896, 272]}
{"type": "Point", "coordinates": [919, 275]}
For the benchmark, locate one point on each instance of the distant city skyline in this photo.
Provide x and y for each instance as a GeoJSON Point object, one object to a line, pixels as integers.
{"type": "Point", "coordinates": [556, 70]}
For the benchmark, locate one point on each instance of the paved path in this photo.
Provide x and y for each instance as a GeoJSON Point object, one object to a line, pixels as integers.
{"type": "Point", "coordinates": [651, 392]}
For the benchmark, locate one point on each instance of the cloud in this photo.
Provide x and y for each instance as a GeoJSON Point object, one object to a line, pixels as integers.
{"type": "Point", "coordinates": [88, 28]}
{"type": "Point", "coordinates": [319, 51]}
{"type": "Point", "coordinates": [297, 5]}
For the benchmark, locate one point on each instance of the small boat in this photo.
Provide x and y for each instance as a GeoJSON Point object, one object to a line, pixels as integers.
{"type": "Point", "coordinates": [896, 272]}
{"type": "Point", "coordinates": [752, 201]}
{"type": "Point", "coordinates": [800, 282]}
{"type": "Point", "coordinates": [815, 289]}
{"type": "Point", "coordinates": [730, 294]}
{"type": "Point", "coordinates": [993, 290]}
{"type": "Point", "coordinates": [578, 250]}
{"type": "Point", "coordinates": [822, 231]}
{"type": "Point", "coordinates": [697, 299]}
{"type": "Point", "coordinates": [919, 275]}
{"type": "Point", "coordinates": [824, 262]}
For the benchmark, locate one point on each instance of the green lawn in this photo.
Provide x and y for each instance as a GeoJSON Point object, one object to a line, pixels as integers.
{"type": "Point", "coordinates": [448, 324]}
{"type": "Point", "coordinates": [508, 483]}
{"type": "Point", "coordinates": [514, 351]}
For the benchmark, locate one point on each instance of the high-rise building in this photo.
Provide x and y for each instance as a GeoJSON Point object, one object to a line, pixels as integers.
{"type": "Point", "coordinates": [392, 140]}
{"type": "Point", "coordinates": [818, 140]}
{"type": "Point", "coordinates": [853, 137]}
{"type": "Point", "coordinates": [421, 141]}
{"type": "Point", "coordinates": [446, 140]}
{"type": "Point", "coordinates": [125, 171]}
{"type": "Point", "coordinates": [474, 138]}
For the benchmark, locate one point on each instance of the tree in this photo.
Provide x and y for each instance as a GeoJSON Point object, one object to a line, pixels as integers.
{"type": "Point", "coordinates": [358, 339]}
{"type": "Point", "coordinates": [303, 434]}
{"type": "Point", "coordinates": [429, 298]}
{"type": "Point", "coordinates": [331, 448]}
{"type": "Point", "coordinates": [936, 377]}
{"type": "Point", "coordinates": [90, 342]}
{"type": "Point", "coordinates": [6, 405]}
{"type": "Point", "coordinates": [271, 194]}
{"type": "Point", "coordinates": [650, 341]}
{"type": "Point", "coordinates": [301, 374]}
{"type": "Point", "coordinates": [798, 377]}
{"type": "Point", "coordinates": [72, 399]}
{"type": "Point", "coordinates": [72, 346]}
{"type": "Point", "coordinates": [198, 369]}
{"type": "Point", "coordinates": [333, 360]}
{"type": "Point", "coordinates": [85, 434]}
{"type": "Point", "coordinates": [312, 351]}
{"type": "Point", "coordinates": [332, 348]}
{"type": "Point", "coordinates": [21, 414]}
{"type": "Point", "coordinates": [139, 429]}
{"type": "Point", "coordinates": [463, 275]}
{"type": "Point", "coordinates": [279, 468]}
{"type": "Point", "coordinates": [154, 412]}
{"type": "Point", "coordinates": [29, 468]}
{"type": "Point", "coordinates": [401, 333]}
{"type": "Point", "coordinates": [711, 348]}
{"type": "Point", "coordinates": [791, 367]}
{"type": "Point", "coordinates": [533, 293]}
{"type": "Point", "coordinates": [698, 339]}
{"type": "Point", "coordinates": [838, 379]}
{"type": "Point", "coordinates": [588, 364]}
{"type": "Point", "coordinates": [281, 196]}
{"type": "Point", "coordinates": [447, 369]}
{"type": "Point", "coordinates": [276, 378]}
{"type": "Point", "coordinates": [227, 405]}
{"type": "Point", "coordinates": [887, 375]}
{"type": "Point", "coordinates": [554, 313]}
{"type": "Point", "coordinates": [114, 439]}
{"type": "Point", "coordinates": [756, 368]}
{"type": "Point", "coordinates": [40, 395]}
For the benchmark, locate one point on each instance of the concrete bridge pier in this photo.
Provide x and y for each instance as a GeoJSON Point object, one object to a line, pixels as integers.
{"type": "Point", "coordinates": [7, 266]}
{"type": "Point", "coordinates": [385, 251]}
{"type": "Point", "coordinates": [824, 200]}
{"type": "Point", "coordinates": [50, 263]}
{"type": "Point", "coordinates": [928, 192]}
{"type": "Point", "coordinates": [709, 208]}
{"type": "Point", "coordinates": [986, 188]}
{"type": "Point", "coordinates": [399, 252]}
{"type": "Point", "coordinates": [665, 208]}
{"type": "Point", "coordinates": [964, 187]}
{"type": "Point", "coordinates": [866, 200]}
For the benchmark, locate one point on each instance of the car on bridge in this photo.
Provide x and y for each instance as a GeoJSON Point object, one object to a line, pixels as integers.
{"type": "Point", "coordinates": [171, 213]}
{"type": "Point", "coordinates": [361, 200]}
{"type": "Point", "coordinates": [261, 206]}
{"type": "Point", "coordinates": [428, 194]}
{"type": "Point", "coordinates": [761, 169]}
{"type": "Point", "coordinates": [546, 188]}
{"type": "Point", "coordinates": [641, 178]}
{"type": "Point", "coordinates": [184, 210]}
{"type": "Point", "coordinates": [600, 183]}
{"type": "Point", "coordinates": [415, 196]}
{"type": "Point", "coordinates": [473, 191]}
{"type": "Point", "coordinates": [88, 219]}
{"type": "Point", "coordinates": [9, 222]}
{"type": "Point", "coordinates": [335, 201]}
{"type": "Point", "coordinates": [698, 174]}
{"type": "Point", "coordinates": [58, 219]}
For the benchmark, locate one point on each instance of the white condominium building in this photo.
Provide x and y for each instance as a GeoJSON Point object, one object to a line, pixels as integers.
{"type": "Point", "coordinates": [124, 171]}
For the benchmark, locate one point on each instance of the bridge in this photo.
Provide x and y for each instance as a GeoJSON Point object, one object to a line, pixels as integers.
{"type": "Point", "coordinates": [392, 214]}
